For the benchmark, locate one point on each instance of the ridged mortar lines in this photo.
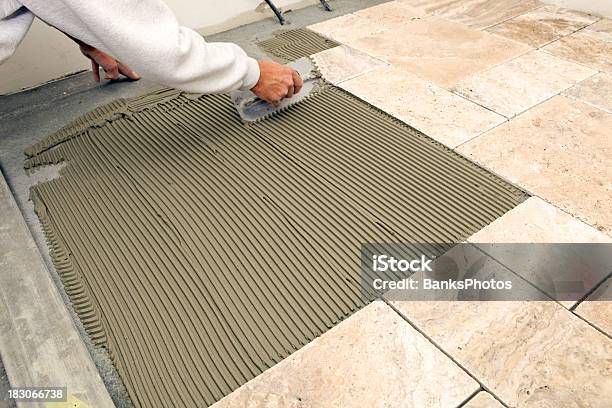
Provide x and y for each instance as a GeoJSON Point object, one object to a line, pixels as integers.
{"type": "Point", "coordinates": [100, 116]}
{"type": "Point", "coordinates": [290, 45]}
{"type": "Point", "coordinates": [201, 251]}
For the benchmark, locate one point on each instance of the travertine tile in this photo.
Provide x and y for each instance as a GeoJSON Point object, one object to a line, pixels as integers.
{"type": "Point", "coordinates": [601, 30]}
{"type": "Point", "coordinates": [439, 50]}
{"type": "Point", "coordinates": [529, 354]}
{"type": "Point", "coordinates": [523, 82]}
{"type": "Point", "coordinates": [483, 400]}
{"type": "Point", "coordinates": [561, 151]}
{"type": "Point", "coordinates": [537, 221]}
{"type": "Point", "coordinates": [391, 14]}
{"type": "Point", "coordinates": [347, 28]}
{"type": "Point", "coordinates": [597, 309]}
{"type": "Point", "coordinates": [367, 22]}
{"type": "Point", "coordinates": [341, 63]}
{"type": "Point", "coordinates": [596, 91]}
{"type": "Point", "coordinates": [549, 268]}
{"type": "Point", "coordinates": [476, 13]}
{"type": "Point", "coordinates": [584, 49]}
{"type": "Point", "coordinates": [374, 359]}
{"type": "Point", "coordinates": [543, 25]}
{"type": "Point", "coordinates": [436, 112]}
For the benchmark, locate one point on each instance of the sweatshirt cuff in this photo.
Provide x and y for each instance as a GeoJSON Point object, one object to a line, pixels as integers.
{"type": "Point", "coordinates": [252, 75]}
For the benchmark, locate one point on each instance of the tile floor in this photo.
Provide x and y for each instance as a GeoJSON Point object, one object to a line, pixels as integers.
{"type": "Point", "coordinates": [525, 89]}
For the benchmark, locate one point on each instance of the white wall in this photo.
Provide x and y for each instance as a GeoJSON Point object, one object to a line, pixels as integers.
{"type": "Point", "coordinates": [601, 7]}
{"type": "Point", "coordinates": [46, 54]}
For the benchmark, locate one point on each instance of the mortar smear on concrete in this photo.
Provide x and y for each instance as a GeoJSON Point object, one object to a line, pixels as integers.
{"type": "Point", "coordinates": [290, 45]}
{"type": "Point", "coordinates": [201, 251]}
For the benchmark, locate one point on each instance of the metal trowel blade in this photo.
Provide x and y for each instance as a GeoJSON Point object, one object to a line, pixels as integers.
{"type": "Point", "coordinates": [251, 108]}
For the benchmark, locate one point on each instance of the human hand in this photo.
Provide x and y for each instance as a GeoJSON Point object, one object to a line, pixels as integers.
{"type": "Point", "coordinates": [112, 68]}
{"type": "Point", "coordinates": [276, 82]}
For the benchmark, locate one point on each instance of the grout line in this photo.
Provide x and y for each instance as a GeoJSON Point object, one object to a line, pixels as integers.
{"type": "Point", "coordinates": [470, 397]}
{"type": "Point", "coordinates": [512, 18]}
{"type": "Point", "coordinates": [509, 118]}
{"type": "Point", "coordinates": [439, 347]}
{"type": "Point", "coordinates": [551, 299]}
{"type": "Point", "coordinates": [479, 135]}
{"type": "Point", "coordinates": [454, 92]}
{"type": "Point", "coordinates": [590, 292]}
{"type": "Point", "coordinates": [570, 309]}
{"type": "Point", "coordinates": [568, 34]}
{"type": "Point", "coordinates": [515, 116]}
{"type": "Point", "coordinates": [552, 96]}
{"type": "Point", "coordinates": [592, 325]}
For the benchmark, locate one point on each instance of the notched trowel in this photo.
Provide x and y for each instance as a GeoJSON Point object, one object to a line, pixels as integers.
{"type": "Point", "coordinates": [251, 108]}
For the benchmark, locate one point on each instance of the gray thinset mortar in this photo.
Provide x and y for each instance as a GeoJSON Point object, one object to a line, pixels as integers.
{"type": "Point", "coordinates": [290, 45]}
{"type": "Point", "coordinates": [200, 251]}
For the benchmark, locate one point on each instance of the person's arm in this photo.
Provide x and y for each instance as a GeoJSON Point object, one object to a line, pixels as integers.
{"type": "Point", "coordinates": [145, 35]}
{"type": "Point", "coordinates": [13, 27]}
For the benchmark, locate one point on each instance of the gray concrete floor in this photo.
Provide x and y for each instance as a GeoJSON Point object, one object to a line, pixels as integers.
{"type": "Point", "coordinates": [4, 387]}
{"type": "Point", "coordinates": [29, 116]}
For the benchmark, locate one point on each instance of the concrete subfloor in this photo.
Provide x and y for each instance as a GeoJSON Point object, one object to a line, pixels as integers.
{"type": "Point", "coordinates": [4, 387]}
{"type": "Point", "coordinates": [27, 117]}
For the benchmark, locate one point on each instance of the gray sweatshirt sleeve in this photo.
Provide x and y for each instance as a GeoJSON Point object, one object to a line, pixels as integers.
{"type": "Point", "coordinates": [14, 24]}
{"type": "Point", "coordinates": [145, 35]}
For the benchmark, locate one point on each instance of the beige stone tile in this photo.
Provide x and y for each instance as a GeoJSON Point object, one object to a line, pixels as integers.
{"type": "Point", "coordinates": [529, 354]}
{"type": "Point", "coordinates": [601, 30]}
{"type": "Point", "coordinates": [439, 50]}
{"type": "Point", "coordinates": [561, 151]}
{"type": "Point", "coordinates": [347, 28]}
{"type": "Point", "coordinates": [543, 25]}
{"type": "Point", "coordinates": [517, 85]}
{"type": "Point", "coordinates": [476, 13]}
{"type": "Point", "coordinates": [548, 267]}
{"type": "Point", "coordinates": [341, 63]}
{"type": "Point", "coordinates": [367, 22]}
{"type": "Point", "coordinates": [597, 309]}
{"type": "Point", "coordinates": [373, 359]}
{"type": "Point", "coordinates": [596, 91]}
{"type": "Point", "coordinates": [434, 111]}
{"type": "Point", "coordinates": [391, 14]}
{"type": "Point", "coordinates": [483, 400]}
{"type": "Point", "coordinates": [537, 221]}
{"type": "Point", "coordinates": [584, 49]}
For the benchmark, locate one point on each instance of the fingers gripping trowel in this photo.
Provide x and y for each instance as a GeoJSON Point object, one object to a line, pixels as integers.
{"type": "Point", "coordinates": [251, 108]}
